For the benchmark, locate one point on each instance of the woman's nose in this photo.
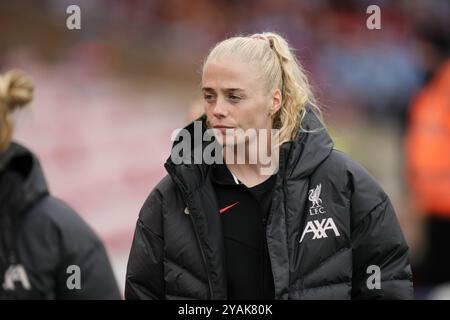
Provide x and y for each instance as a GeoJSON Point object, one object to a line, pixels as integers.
{"type": "Point", "coordinates": [220, 109]}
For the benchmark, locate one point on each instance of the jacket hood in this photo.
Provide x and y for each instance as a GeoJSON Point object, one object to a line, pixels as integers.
{"type": "Point", "coordinates": [298, 157]}
{"type": "Point", "coordinates": [308, 149]}
{"type": "Point", "coordinates": [21, 178]}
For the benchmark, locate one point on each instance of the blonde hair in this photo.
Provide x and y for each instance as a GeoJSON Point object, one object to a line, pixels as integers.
{"type": "Point", "coordinates": [16, 90]}
{"type": "Point", "coordinates": [279, 70]}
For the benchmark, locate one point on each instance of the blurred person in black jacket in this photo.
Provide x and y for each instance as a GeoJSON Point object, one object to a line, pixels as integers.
{"type": "Point", "coordinates": [47, 251]}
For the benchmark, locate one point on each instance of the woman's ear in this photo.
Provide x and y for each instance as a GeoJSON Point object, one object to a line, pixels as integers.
{"type": "Point", "coordinates": [277, 100]}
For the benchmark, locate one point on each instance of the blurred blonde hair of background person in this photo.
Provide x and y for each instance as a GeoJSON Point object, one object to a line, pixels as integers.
{"type": "Point", "coordinates": [16, 91]}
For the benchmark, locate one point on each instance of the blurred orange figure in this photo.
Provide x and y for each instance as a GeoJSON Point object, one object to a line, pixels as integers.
{"type": "Point", "coordinates": [428, 146]}
{"type": "Point", "coordinates": [428, 173]}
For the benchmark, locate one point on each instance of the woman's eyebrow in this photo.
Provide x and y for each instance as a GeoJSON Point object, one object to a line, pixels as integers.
{"type": "Point", "coordinates": [233, 90]}
{"type": "Point", "coordinates": [225, 90]}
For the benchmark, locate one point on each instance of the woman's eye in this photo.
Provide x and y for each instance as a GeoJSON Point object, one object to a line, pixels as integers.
{"type": "Point", "coordinates": [235, 98]}
{"type": "Point", "coordinates": [208, 97]}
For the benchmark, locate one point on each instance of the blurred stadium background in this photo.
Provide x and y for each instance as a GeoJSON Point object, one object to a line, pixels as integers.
{"type": "Point", "coordinates": [108, 96]}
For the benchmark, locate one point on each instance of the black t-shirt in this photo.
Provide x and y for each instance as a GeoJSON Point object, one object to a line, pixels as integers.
{"type": "Point", "coordinates": [263, 193]}
{"type": "Point", "coordinates": [244, 214]}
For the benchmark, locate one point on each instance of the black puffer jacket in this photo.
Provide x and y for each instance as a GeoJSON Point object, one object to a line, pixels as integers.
{"type": "Point", "coordinates": [42, 239]}
{"type": "Point", "coordinates": [330, 227]}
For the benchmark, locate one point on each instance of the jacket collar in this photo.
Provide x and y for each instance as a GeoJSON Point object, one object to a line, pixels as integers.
{"type": "Point", "coordinates": [21, 175]}
{"type": "Point", "coordinates": [308, 149]}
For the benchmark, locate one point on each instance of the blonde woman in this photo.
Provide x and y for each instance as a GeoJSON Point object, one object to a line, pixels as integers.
{"type": "Point", "coordinates": [317, 227]}
{"type": "Point", "coordinates": [46, 250]}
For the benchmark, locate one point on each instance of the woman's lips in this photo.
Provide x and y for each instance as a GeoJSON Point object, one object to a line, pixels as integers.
{"type": "Point", "coordinates": [224, 129]}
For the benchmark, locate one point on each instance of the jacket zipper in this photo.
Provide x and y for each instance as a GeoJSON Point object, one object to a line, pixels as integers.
{"type": "Point", "coordinates": [203, 256]}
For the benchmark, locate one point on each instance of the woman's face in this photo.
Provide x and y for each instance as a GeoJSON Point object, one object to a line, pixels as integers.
{"type": "Point", "coordinates": [236, 98]}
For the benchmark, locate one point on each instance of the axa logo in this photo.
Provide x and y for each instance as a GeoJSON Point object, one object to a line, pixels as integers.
{"type": "Point", "coordinates": [14, 274]}
{"type": "Point", "coordinates": [314, 197]}
{"type": "Point", "coordinates": [319, 228]}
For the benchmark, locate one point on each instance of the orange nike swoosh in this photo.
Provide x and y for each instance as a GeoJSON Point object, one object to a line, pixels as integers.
{"type": "Point", "coordinates": [228, 207]}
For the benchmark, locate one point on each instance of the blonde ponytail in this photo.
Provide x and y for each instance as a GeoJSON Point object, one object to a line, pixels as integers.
{"type": "Point", "coordinates": [16, 90]}
{"type": "Point", "coordinates": [295, 89]}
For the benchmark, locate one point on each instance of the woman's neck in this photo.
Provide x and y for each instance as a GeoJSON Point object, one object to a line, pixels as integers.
{"type": "Point", "coordinates": [250, 174]}
{"type": "Point", "coordinates": [250, 171]}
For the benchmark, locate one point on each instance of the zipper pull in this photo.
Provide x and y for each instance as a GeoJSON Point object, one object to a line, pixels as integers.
{"type": "Point", "coordinates": [186, 210]}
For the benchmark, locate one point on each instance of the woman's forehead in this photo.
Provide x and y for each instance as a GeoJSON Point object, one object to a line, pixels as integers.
{"type": "Point", "coordinates": [229, 73]}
